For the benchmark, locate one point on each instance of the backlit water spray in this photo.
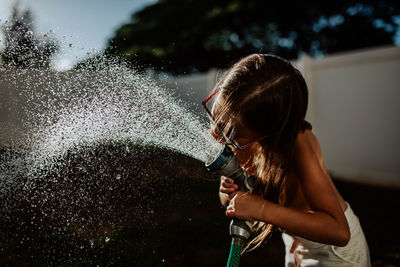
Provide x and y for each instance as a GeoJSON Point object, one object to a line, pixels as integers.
{"type": "Point", "coordinates": [118, 104]}
{"type": "Point", "coordinates": [83, 134]}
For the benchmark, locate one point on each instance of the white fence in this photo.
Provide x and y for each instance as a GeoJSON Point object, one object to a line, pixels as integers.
{"type": "Point", "coordinates": [354, 110]}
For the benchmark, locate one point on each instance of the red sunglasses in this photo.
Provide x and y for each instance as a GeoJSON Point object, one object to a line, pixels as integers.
{"type": "Point", "coordinates": [229, 141]}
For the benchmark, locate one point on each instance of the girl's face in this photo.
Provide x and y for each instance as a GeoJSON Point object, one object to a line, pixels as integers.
{"type": "Point", "coordinates": [244, 136]}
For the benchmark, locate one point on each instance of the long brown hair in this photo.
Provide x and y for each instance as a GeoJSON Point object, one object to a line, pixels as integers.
{"type": "Point", "coordinates": [267, 95]}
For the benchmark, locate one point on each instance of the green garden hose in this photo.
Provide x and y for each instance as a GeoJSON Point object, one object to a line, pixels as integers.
{"type": "Point", "coordinates": [236, 250]}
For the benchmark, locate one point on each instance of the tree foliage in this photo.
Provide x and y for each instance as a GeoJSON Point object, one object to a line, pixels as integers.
{"type": "Point", "coordinates": [185, 36]}
{"type": "Point", "coordinates": [23, 47]}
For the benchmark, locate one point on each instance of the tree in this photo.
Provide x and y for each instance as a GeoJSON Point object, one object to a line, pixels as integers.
{"type": "Point", "coordinates": [185, 36]}
{"type": "Point", "coordinates": [23, 47]}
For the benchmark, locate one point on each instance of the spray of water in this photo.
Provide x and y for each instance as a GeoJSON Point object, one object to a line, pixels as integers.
{"type": "Point", "coordinates": [90, 147]}
{"type": "Point", "coordinates": [116, 103]}
{"type": "Point", "coordinates": [70, 111]}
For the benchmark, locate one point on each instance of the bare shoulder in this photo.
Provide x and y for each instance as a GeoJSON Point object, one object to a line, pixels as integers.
{"type": "Point", "coordinates": [308, 138]}
{"type": "Point", "coordinates": [309, 141]}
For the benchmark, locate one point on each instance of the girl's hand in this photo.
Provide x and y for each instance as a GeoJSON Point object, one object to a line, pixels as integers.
{"type": "Point", "coordinates": [246, 206]}
{"type": "Point", "coordinates": [228, 187]}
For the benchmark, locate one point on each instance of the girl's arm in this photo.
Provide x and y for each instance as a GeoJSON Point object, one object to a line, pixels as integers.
{"type": "Point", "coordinates": [324, 223]}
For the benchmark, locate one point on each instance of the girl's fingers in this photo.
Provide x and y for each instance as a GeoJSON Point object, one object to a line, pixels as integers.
{"type": "Point", "coordinates": [227, 182]}
{"type": "Point", "coordinates": [225, 185]}
{"type": "Point", "coordinates": [227, 190]}
{"type": "Point", "coordinates": [229, 212]}
{"type": "Point", "coordinates": [229, 208]}
{"type": "Point", "coordinates": [228, 187]}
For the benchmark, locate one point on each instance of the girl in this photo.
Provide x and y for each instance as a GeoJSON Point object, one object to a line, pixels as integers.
{"type": "Point", "coordinates": [259, 108]}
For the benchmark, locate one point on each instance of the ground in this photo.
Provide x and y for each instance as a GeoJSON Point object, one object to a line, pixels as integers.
{"type": "Point", "coordinates": [161, 211]}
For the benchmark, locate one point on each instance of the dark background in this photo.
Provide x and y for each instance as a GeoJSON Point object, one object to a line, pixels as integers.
{"type": "Point", "coordinates": [163, 211]}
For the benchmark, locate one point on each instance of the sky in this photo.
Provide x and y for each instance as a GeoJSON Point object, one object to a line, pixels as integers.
{"type": "Point", "coordinates": [82, 26]}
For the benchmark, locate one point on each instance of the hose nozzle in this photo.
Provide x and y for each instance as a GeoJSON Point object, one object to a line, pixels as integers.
{"type": "Point", "coordinates": [226, 164]}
